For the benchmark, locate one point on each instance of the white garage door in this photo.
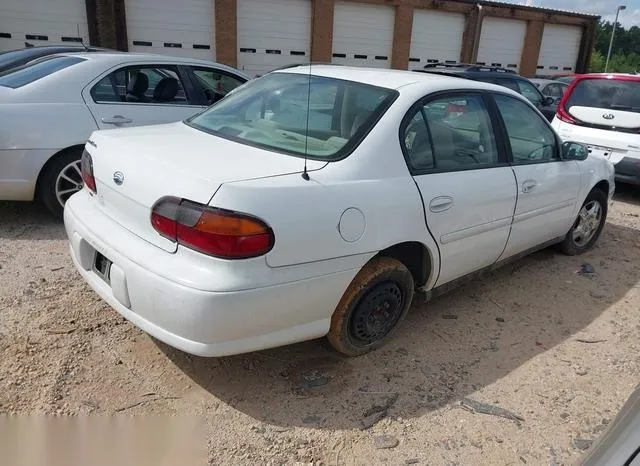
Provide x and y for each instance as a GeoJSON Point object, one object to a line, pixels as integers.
{"type": "Point", "coordinates": [559, 49]}
{"type": "Point", "coordinates": [501, 42]}
{"type": "Point", "coordinates": [181, 28]}
{"type": "Point", "coordinates": [363, 34]}
{"type": "Point", "coordinates": [42, 22]}
{"type": "Point", "coordinates": [436, 36]}
{"type": "Point", "coordinates": [273, 34]}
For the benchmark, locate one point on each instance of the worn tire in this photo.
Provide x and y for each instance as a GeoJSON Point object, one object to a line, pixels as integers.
{"type": "Point", "coordinates": [568, 245]}
{"type": "Point", "coordinates": [47, 182]}
{"type": "Point", "coordinates": [382, 283]}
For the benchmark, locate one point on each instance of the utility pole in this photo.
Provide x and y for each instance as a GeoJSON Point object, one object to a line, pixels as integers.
{"type": "Point", "coordinates": [613, 33]}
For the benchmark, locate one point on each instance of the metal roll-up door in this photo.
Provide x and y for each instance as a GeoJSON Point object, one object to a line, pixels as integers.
{"type": "Point", "coordinates": [501, 42]}
{"type": "Point", "coordinates": [363, 34]}
{"type": "Point", "coordinates": [436, 37]}
{"type": "Point", "coordinates": [42, 22]}
{"type": "Point", "coordinates": [185, 28]}
{"type": "Point", "coordinates": [273, 34]}
{"type": "Point", "coordinates": [559, 50]}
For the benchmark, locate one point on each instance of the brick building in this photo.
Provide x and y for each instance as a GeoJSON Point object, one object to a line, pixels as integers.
{"type": "Point", "coordinates": [258, 35]}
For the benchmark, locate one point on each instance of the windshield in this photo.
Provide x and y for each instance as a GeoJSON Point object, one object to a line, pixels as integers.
{"type": "Point", "coordinates": [606, 94]}
{"type": "Point", "coordinates": [31, 72]}
{"type": "Point", "coordinates": [322, 118]}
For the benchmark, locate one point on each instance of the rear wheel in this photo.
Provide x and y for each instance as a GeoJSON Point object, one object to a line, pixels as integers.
{"type": "Point", "coordinates": [587, 227]}
{"type": "Point", "coordinates": [60, 180]}
{"type": "Point", "coordinates": [372, 308]}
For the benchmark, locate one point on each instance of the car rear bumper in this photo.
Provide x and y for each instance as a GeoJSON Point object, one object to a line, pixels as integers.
{"type": "Point", "coordinates": [200, 322]}
{"type": "Point", "coordinates": [628, 171]}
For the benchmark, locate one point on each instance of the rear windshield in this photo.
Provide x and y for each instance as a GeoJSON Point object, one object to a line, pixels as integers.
{"type": "Point", "coordinates": [31, 72]}
{"type": "Point", "coordinates": [323, 118]}
{"type": "Point", "coordinates": [607, 94]}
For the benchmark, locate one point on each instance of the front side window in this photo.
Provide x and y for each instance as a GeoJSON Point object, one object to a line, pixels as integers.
{"type": "Point", "coordinates": [141, 84]}
{"type": "Point", "coordinates": [216, 84]}
{"type": "Point", "coordinates": [530, 92]}
{"type": "Point", "coordinates": [530, 137]}
{"type": "Point", "coordinates": [34, 71]}
{"type": "Point", "coordinates": [555, 90]}
{"type": "Point", "coordinates": [450, 133]}
{"type": "Point", "coordinates": [297, 114]}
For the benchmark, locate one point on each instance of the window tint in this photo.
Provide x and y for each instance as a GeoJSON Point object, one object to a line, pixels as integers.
{"type": "Point", "coordinates": [34, 71]}
{"type": "Point", "coordinates": [457, 135]}
{"type": "Point", "coordinates": [530, 137]}
{"type": "Point", "coordinates": [215, 83]}
{"type": "Point", "coordinates": [606, 94]}
{"type": "Point", "coordinates": [530, 92]}
{"type": "Point", "coordinates": [505, 82]}
{"type": "Point", "coordinates": [555, 90]}
{"type": "Point", "coordinates": [296, 114]}
{"type": "Point", "coordinates": [147, 84]}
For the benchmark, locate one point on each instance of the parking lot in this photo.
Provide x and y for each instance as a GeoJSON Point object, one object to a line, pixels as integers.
{"type": "Point", "coordinates": [555, 348]}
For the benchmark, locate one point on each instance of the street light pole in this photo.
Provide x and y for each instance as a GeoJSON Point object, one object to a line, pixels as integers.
{"type": "Point", "coordinates": [615, 23]}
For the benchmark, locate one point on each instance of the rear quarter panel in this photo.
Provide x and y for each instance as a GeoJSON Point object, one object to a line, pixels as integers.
{"type": "Point", "coordinates": [306, 215]}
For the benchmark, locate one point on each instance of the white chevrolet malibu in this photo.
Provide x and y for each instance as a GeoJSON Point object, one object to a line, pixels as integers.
{"type": "Point", "coordinates": [313, 202]}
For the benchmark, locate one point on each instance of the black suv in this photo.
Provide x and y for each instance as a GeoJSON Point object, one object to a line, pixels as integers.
{"type": "Point", "coordinates": [495, 75]}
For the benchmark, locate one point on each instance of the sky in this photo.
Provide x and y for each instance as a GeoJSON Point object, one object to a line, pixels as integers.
{"type": "Point", "coordinates": [605, 8]}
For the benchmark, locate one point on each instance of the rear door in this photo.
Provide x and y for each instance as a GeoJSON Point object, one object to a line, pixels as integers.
{"type": "Point", "coordinates": [547, 186]}
{"type": "Point", "coordinates": [467, 187]}
{"type": "Point", "coordinates": [135, 95]}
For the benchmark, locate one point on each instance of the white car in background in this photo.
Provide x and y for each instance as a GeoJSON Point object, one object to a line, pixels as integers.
{"type": "Point", "coordinates": [602, 111]}
{"type": "Point", "coordinates": [49, 107]}
{"type": "Point", "coordinates": [313, 201]}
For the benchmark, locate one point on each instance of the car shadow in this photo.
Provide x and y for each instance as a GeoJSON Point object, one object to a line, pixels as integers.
{"type": "Point", "coordinates": [446, 349]}
{"type": "Point", "coordinates": [628, 194]}
{"type": "Point", "coordinates": [29, 221]}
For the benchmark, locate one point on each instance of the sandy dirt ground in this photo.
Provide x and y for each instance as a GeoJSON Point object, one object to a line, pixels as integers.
{"type": "Point", "coordinates": [557, 351]}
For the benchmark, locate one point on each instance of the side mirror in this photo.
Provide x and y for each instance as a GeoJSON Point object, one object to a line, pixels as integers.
{"type": "Point", "coordinates": [574, 151]}
{"type": "Point", "coordinates": [548, 101]}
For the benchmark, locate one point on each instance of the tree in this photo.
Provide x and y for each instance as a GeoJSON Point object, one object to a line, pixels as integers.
{"type": "Point", "coordinates": [624, 52]}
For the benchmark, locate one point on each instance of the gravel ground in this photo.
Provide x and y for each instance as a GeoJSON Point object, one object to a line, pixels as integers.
{"type": "Point", "coordinates": [550, 354]}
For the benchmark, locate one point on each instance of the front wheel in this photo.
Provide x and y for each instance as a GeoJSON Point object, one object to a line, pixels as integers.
{"type": "Point", "coordinates": [372, 308]}
{"type": "Point", "coordinates": [60, 180]}
{"type": "Point", "coordinates": [588, 226]}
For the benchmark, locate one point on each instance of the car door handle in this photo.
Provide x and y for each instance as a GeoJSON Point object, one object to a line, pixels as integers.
{"type": "Point", "coordinates": [116, 120]}
{"type": "Point", "coordinates": [440, 203]}
{"type": "Point", "coordinates": [528, 186]}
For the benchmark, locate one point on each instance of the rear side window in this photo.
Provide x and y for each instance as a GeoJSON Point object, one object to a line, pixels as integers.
{"type": "Point", "coordinates": [450, 133]}
{"type": "Point", "coordinates": [141, 84]}
{"type": "Point", "coordinates": [32, 72]}
{"type": "Point", "coordinates": [607, 94]}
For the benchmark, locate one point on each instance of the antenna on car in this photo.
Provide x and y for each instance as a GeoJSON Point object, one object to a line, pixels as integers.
{"type": "Point", "coordinates": [305, 174]}
{"type": "Point", "coordinates": [86, 49]}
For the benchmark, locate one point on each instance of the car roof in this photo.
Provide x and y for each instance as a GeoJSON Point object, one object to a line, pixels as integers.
{"type": "Point", "coordinates": [391, 79]}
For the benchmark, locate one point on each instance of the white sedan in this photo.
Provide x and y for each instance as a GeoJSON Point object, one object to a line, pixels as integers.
{"type": "Point", "coordinates": [49, 107]}
{"type": "Point", "coordinates": [315, 201]}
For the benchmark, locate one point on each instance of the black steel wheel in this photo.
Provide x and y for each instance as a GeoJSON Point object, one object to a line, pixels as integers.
{"type": "Point", "coordinates": [372, 307]}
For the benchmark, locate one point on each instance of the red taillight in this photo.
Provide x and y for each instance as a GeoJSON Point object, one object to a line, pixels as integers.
{"type": "Point", "coordinates": [86, 167]}
{"type": "Point", "coordinates": [563, 115]}
{"type": "Point", "coordinates": [216, 232]}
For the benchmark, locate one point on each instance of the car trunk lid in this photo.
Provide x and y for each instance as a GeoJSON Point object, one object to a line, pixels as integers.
{"type": "Point", "coordinates": [135, 167]}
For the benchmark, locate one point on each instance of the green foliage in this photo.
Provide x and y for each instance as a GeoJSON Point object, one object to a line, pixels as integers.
{"type": "Point", "coordinates": [624, 53]}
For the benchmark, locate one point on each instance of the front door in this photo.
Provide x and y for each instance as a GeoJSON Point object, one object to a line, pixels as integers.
{"type": "Point", "coordinates": [547, 186]}
{"type": "Point", "coordinates": [467, 187]}
{"type": "Point", "coordinates": [137, 95]}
